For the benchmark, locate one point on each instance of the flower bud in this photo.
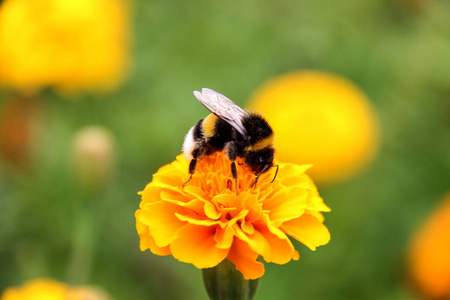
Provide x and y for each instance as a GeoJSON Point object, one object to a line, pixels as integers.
{"type": "Point", "coordinates": [93, 152]}
{"type": "Point", "coordinates": [87, 293]}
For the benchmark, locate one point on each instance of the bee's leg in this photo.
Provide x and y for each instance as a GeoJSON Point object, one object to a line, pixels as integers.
{"type": "Point", "coordinates": [192, 165]}
{"type": "Point", "coordinates": [231, 152]}
{"type": "Point", "coordinates": [234, 172]}
{"type": "Point", "coordinates": [276, 172]}
{"type": "Point", "coordinates": [264, 169]}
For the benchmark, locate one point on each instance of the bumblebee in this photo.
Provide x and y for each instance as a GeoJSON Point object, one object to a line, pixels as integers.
{"type": "Point", "coordinates": [238, 133]}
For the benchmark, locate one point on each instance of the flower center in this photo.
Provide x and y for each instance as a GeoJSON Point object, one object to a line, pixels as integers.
{"type": "Point", "coordinates": [213, 176]}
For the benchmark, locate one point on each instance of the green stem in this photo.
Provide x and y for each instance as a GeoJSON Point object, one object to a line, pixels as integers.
{"type": "Point", "coordinates": [83, 248]}
{"type": "Point", "coordinates": [224, 282]}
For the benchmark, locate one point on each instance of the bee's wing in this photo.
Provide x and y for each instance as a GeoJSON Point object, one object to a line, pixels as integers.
{"type": "Point", "coordinates": [223, 107]}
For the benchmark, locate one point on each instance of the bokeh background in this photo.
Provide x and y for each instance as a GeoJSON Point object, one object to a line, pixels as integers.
{"type": "Point", "coordinates": [67, 207]}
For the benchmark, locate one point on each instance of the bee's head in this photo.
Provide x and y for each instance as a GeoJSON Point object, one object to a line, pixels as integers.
{"type": "Point", "coordinates": [260, 160]}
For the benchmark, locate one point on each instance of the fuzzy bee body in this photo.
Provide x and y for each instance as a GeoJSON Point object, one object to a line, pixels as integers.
{"type": "Point", "coordinates": [233, 130]}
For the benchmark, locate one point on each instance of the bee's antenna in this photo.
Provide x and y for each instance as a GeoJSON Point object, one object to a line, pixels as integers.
{"type": "Point", "coordinates": [276, 172]}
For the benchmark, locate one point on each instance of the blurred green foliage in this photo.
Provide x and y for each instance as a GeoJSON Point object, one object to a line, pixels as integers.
{"type": "Point", "coordinates": [398, 53]}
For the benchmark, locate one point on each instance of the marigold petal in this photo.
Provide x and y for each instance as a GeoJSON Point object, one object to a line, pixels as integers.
{"type": "Point", "coordinates": [181, 163]}
{"type": "Point", "coordinates": [288, 168]}
{"type": "Point", "coordinates": [281, 248]}
{"type": "Point", "coordinates": [196, 245]}
{"type": "Point", "coordinates": [224, 237]}
{"type": "Point", "coordinates": [316, 204]}
{"type": "Point", "coordinates": [227, 200]}
{"type": "Point", "coordinates": [197, 220]}
{"type": "Point", "coordinates": [169, 178]}
{"type": "Point", "coordinates": [161, 221]}
{"type": "Point", "coordinates": [156, 192]}
{"type": "Point", "coordinates": [245, 260]}
{"type": "Point", "coordinates": [150, 194]}
{"type": "Point", "coordinates": [307, 230]}
{"type": "Point", "coordinates": [147, 241]}
{"type": "Point", "coordinates": [247, 227]}
{"type": "Point", "coordinates": [194, 204]}
{"type": "Point", "coordinates": [195, 192]}
{"type": "Point", "coordinates": [256, 241]}
{"type": "Point", "coordinates": [286, 205]}
{"type": "Point", "coordinates": [211, 211]}
{"type": "Point", "coordinates": [271, 247]}
{"type": "Point", "coordinates": [318, 215]}
{"type": "Point", "coordinates": [174, 197]}
{"type": "Point", "coordinates": [294, 175]}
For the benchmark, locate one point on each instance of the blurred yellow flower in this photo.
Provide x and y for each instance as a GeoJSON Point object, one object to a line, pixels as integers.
{"type": "Point", "coordinates": [38, 289]}
{"type": "Point", "coordinates": [206, 221]}
{"type": "Point", "coordinates": [47, 289]}
{"type": "Point", "coordinates": [319, 119]}
{"type": "Point", "coordinates": [429, 254]}
{"type": "Point", "coordinates": [66, 44]}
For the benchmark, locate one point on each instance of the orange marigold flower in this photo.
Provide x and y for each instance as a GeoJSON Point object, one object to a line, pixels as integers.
{"type": "Point", "coordinates": [429, 254]}
{"type": "Point", "coordinates": [207, 221]}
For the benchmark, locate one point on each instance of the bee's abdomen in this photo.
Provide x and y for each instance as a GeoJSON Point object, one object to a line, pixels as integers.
{"type": "Point", "coordinates": [260, 133]}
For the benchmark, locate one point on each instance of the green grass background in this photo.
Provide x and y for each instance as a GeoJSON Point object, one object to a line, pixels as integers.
{"type": "Point", "coordinates": [398, 54]}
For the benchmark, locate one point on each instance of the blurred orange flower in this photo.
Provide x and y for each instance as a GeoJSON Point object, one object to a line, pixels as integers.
{"type": "Point", "coordinates": [206, 221]}
{"type": "Point", "coordinates": [320, 119]}
{"type": "Point", "coordinates": [66, 44]}
{"type": "Point", "coordinates": [47, 289]}
{"type": "Point", "coordinates": [429, 255]}
{"type": "Point", "coordinates": [18, 122]}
